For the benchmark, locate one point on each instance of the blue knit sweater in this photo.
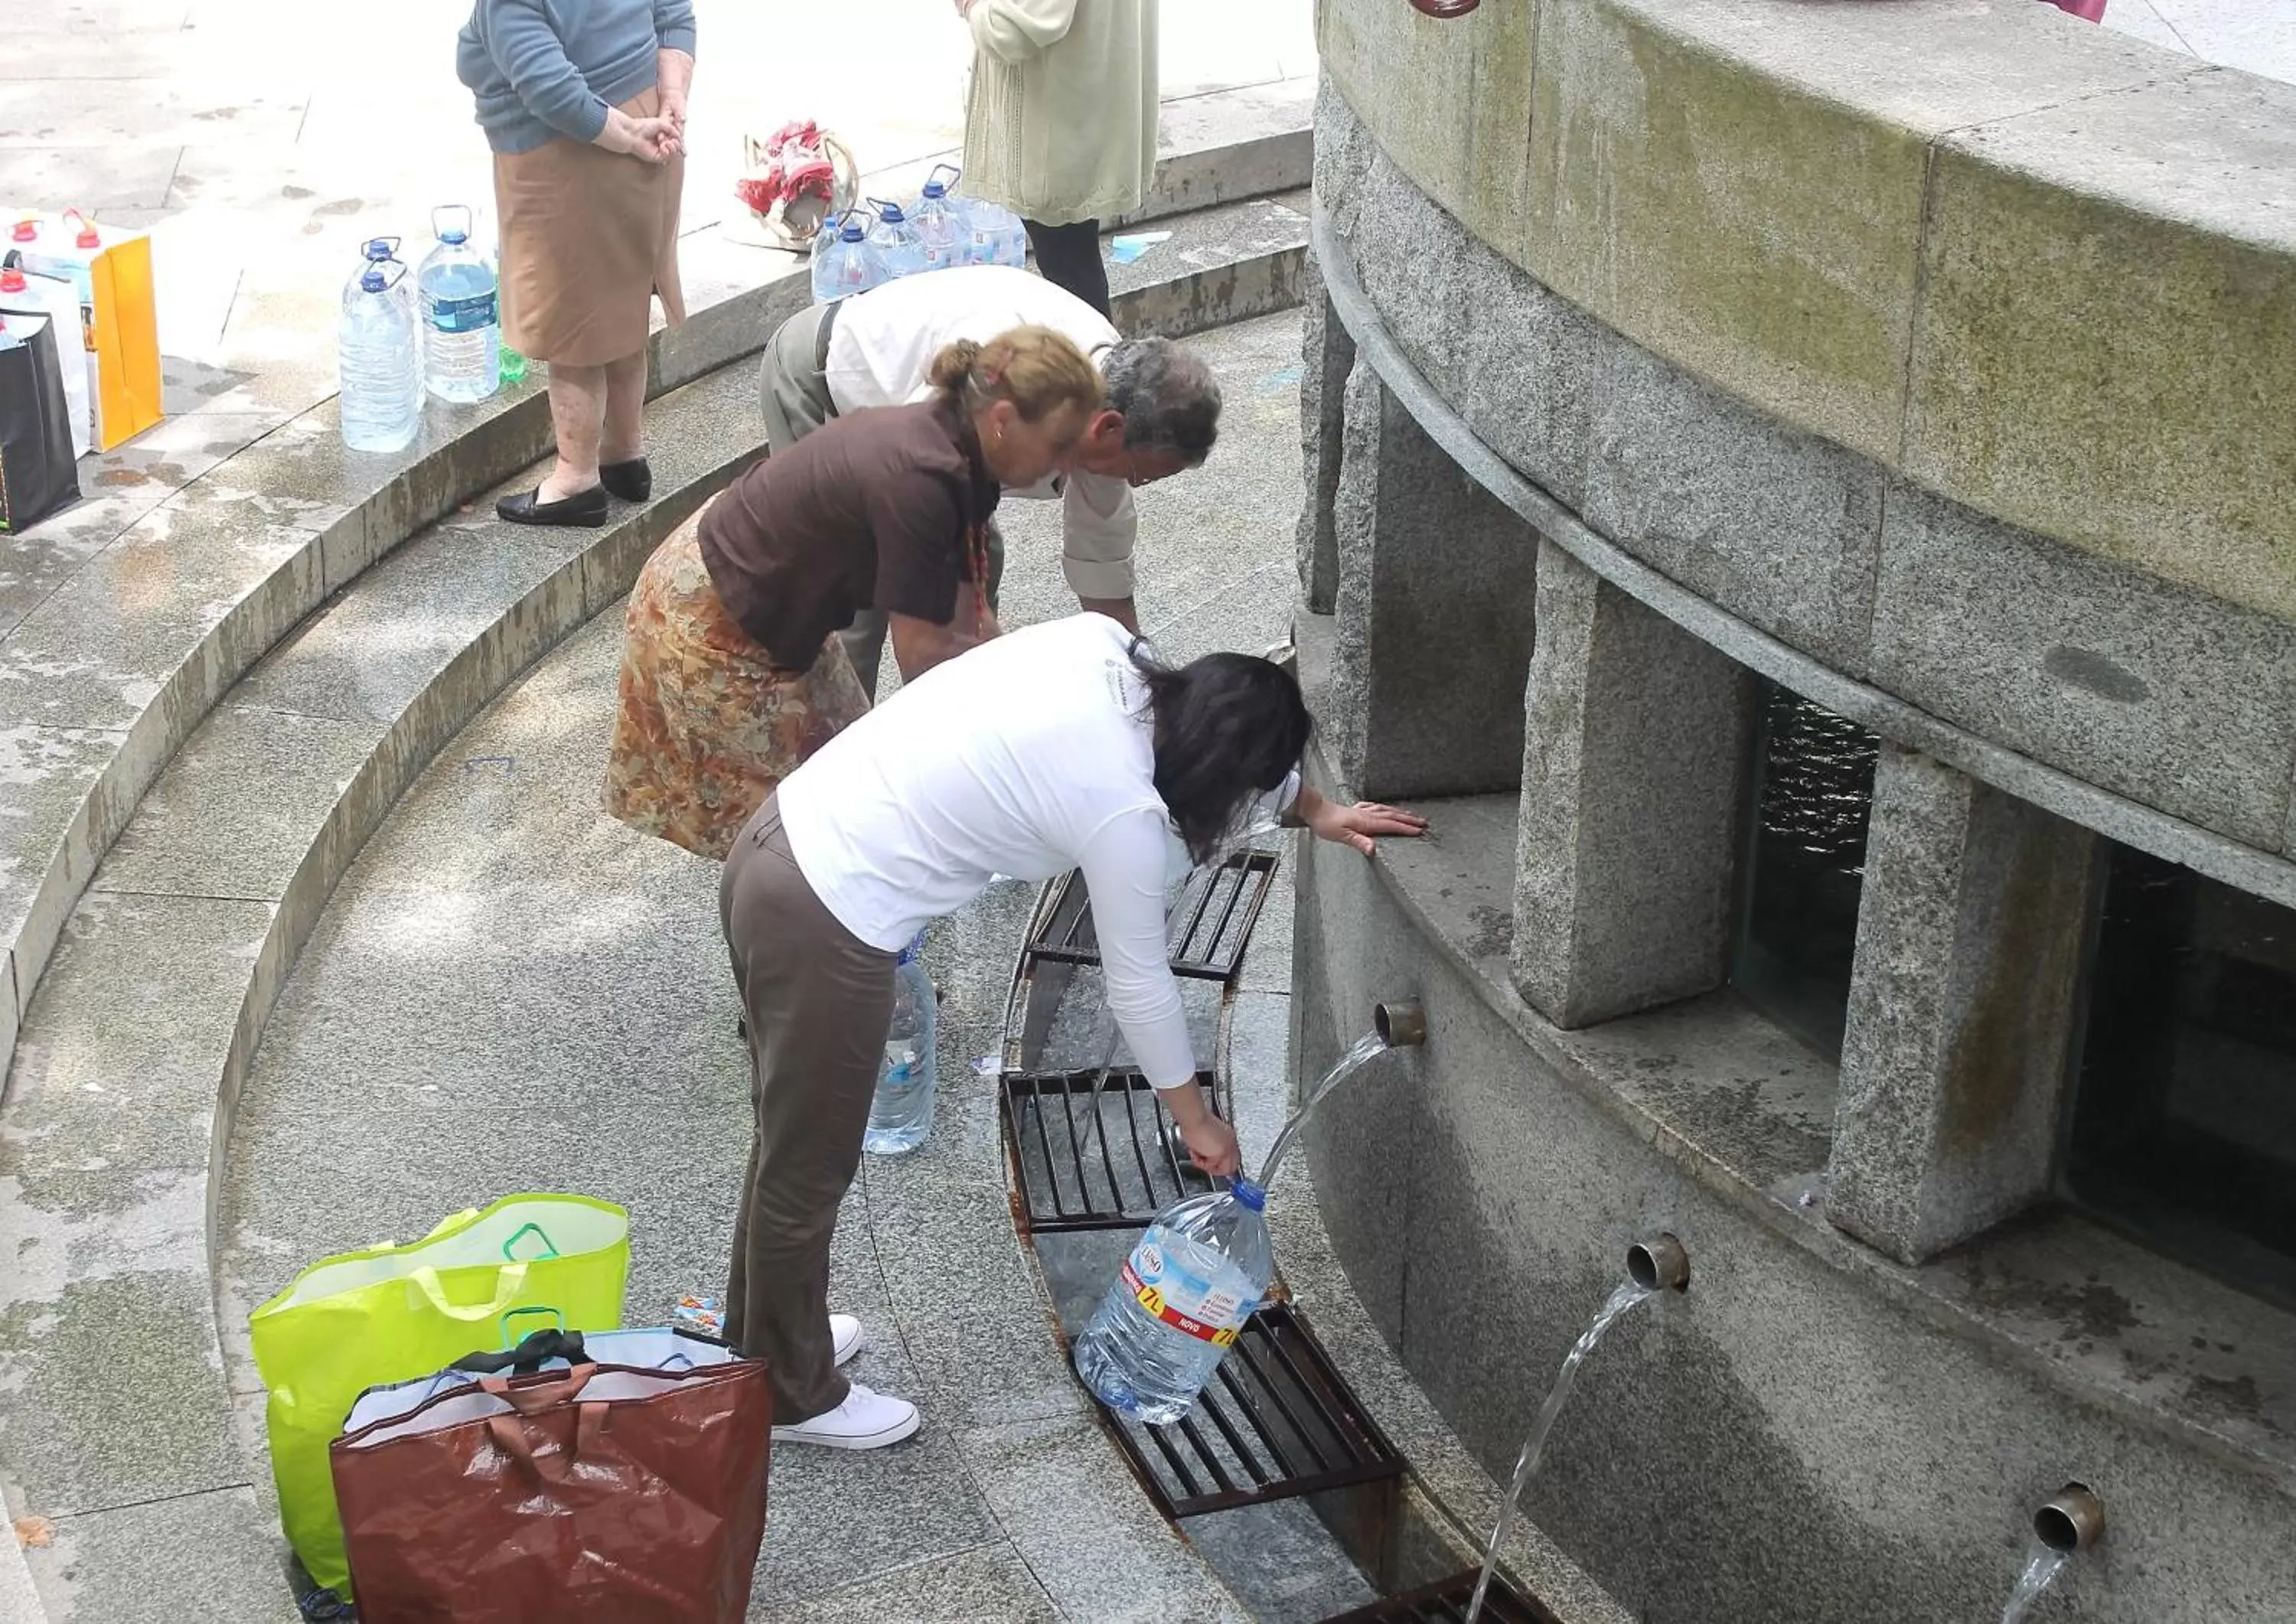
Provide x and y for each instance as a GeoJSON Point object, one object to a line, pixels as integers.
{"type": "Point", "coordinates": [548, 68]}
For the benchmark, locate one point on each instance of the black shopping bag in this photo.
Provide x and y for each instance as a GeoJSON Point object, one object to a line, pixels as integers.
{"type": "Point", "coordinates": [37, 474]}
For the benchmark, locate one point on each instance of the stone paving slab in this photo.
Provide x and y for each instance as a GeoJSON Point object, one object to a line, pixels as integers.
{"type": "Point", "coordinates": [989, 1584]}
{"type": "Point", "coordinates": [111, 1564]}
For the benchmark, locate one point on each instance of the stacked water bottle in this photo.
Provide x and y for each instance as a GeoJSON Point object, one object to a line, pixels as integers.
{"type": "Point", "coordinates": [866, 246]}
{"type": "Point", "coordinates": [435, 329]}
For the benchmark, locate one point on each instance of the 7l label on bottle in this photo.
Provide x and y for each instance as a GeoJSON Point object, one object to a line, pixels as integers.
{"type": "Point", "coordinates": [1194, 1307]}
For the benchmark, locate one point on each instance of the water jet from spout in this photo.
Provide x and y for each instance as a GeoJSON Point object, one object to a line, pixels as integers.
{"type": "Point", "coordinates": [1669, 1268]}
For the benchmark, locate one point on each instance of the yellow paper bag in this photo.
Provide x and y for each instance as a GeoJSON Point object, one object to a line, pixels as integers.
{"type": "Point", "coordinates": [119, 314]}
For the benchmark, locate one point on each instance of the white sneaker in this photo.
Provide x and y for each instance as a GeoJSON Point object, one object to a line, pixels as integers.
{"type": "Point", "coordinates": [844, 1336]}
{"type": "Point", "coordinates": [866, 1420]}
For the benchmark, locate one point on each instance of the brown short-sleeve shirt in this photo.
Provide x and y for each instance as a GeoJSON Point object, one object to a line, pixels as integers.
{"type": "Point", "coordinates": [874, 510]}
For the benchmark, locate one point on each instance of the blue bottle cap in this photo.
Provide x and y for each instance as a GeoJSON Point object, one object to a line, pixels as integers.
{"type": "Point", "coordinates": [890, 213]}
{"type": "Point", "coordinates": [851, 233]}
{"type": "Point", "coordinates": [381, 248]}
{"type": "Point", "coordinates": [373, 281]}
{"type": "Point", "coordinates": [933, 188]}
{"type": "Point", "coordinates": [1250, 1194]}
{"type": "Point", "coordinates": [454, 239]}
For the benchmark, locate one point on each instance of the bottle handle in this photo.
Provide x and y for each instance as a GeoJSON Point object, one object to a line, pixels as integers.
{"type": "Point", "coordinates": [439, 230]}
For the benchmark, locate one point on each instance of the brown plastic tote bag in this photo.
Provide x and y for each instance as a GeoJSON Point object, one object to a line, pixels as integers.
{"type": "Point", "coordinates": [601, 1494]}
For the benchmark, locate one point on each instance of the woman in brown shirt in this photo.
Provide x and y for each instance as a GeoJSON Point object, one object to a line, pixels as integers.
{"type": "Point", "coordinates": [732, 676]}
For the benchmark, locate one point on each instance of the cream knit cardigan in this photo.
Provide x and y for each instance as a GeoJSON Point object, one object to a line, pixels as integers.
{"type": "Point", "coordinates": [1060, 124]}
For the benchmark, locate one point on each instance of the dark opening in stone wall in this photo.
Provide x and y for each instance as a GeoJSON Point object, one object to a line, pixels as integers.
{"type": "Point", "coordinates": [1810, 794]}
{"type": "Point", "coordinates": [2184, 1122]}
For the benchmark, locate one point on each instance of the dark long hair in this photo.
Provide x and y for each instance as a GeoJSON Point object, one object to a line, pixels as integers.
{"type": "Point", "coordinates": [1228, 728]}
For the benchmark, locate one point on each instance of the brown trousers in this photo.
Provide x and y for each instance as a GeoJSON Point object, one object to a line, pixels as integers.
{"type": "Point", "coordinates": [818, 1001]}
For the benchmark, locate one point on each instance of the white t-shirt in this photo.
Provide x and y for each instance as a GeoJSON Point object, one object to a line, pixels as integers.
{"type": "Point", "coordinates": [1028, 756]}
{"type": "Point", "coordinates": [884, 343]}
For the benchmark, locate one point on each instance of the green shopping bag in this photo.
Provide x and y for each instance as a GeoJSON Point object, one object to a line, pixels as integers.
{"type": "Point", "coordinates": [397, 1313]}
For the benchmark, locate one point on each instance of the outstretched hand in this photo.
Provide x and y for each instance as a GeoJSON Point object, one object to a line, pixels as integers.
{"type": "Point", "coordinates": [1360, 825]}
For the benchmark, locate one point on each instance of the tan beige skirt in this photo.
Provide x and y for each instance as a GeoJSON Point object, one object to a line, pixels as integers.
{"type": "Point", "coordinates": [707, 727]}
{"type": "Point", "coordinates": [588, 238]}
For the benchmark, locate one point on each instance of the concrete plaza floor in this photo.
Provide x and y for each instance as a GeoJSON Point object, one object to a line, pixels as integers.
{"type": "Point", "coordinates": [261, 140]}
{"type": "Point", "coordinates": [511, 991]}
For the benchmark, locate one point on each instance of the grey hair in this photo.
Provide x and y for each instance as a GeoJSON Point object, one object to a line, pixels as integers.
{"type": "Point", "coordinates": [1168, 399]}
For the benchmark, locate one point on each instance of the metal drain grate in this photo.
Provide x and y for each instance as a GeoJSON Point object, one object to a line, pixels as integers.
{"type": "Point", "coordinates": [1092, 1157]}
{"type": "Point", "coordinates": [1445, 1602]}
{"type": "Point", "coordinates": [1206, 930]}
{"type": "Point", "coordinates": [1275, 1421]}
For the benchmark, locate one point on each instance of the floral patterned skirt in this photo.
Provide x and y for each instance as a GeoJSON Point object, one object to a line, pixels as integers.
{"type": "Point", "coordinates": [707, 727]}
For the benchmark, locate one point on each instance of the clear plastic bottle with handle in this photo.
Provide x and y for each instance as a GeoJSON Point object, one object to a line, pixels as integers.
{"type": "Point", "coordinates": [461, 313]}
{"type": "Point", "coordinates": [900, 1114]}
{"type": "Point", "coordinates": [378, 356]}
{"type": "Point", "coordinates": [1178, 1304]}
{"type": "Point", "coordinates": [895, 240]}
{"type": "Point", "coordinates": [941, 228]}
{"type": "Point", "coordinates": [846, 265]}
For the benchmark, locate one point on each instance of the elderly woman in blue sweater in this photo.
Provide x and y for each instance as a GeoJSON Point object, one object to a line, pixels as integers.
{"type": "Point", "coordinates": [584, 104]}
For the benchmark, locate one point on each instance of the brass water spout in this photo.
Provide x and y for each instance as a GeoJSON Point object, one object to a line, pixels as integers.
{"type": "Point", "coordinates": [1659, 1265]}
{"type": "Point", "coordinates": [2073, 1521]}
{"type": "Point", "coordinates": [1400, 1025]}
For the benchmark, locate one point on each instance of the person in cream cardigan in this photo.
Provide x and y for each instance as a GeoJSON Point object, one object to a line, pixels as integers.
{"type": "Point", "coordinates": [1060, 124]}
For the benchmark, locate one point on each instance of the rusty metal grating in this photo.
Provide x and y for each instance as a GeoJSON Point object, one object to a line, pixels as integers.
{"type": "Point", "coordinates": [1089, 1154]}
{"type": "Point", "coordinates": [1274, 1422]}
{"type": "Point", "coordinates": [1445, 1602]}
{"type": "Point", "coordinates": [1206, 929]}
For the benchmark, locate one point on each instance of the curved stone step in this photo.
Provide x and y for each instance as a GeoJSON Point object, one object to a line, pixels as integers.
{"type": "Point", "coordinates": [117, 643]}
{"type": "Point", "coordinates": [115, 1415]}
{"type": "Point", "coordinates": [117, 1424]}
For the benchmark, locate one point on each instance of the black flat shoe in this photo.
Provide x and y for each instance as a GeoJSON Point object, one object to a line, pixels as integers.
{"type": "Point", "coordinates": [586, 508]}
{"type": "Point", "coordinates": [632, 481]}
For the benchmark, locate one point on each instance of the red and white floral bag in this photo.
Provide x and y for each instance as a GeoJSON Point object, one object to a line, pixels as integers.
{"type": "Point", "coordinates": [796, 178]}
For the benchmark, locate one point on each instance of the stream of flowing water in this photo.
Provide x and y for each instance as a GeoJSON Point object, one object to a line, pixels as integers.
{"type": "Point", "coordinates": [1620, 1300]}
{"type": "Point", "coordinates": [1346, 1066]}
{"type": "Point", "coordinates": [2041, 1570]}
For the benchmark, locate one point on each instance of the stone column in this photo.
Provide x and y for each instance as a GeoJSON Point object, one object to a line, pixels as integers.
{"type": "Point", "coordinates": [1436, 579]}
{"type": "Point", "coordinates": [1327, 355]}
{"type": "Point", "coordinates": [1961, 1008]}
{"type": "Point", "coordinates": [1634, 768]}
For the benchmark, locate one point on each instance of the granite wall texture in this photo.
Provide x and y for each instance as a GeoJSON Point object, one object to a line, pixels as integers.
{"type": "Point", "coordinates": [1783, 1443]}
{"type": "Point", "coordinates": [2041, 268]}
{"type": "Point", "coordinates": [1748, 287]}
{"type": "Point", "coordinates": [2176, 698]}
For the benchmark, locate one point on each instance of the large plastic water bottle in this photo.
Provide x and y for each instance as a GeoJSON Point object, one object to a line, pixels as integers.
{"type": "Point", "coordinates": [900, 1116]}
{"type": "Point", "coordinates": [940, 225]}
{"type": "Point", "coordinates": [846, 265]}
{"type": "Point", "coordinates": [895, 240]}
{"type": "Point", "coordinates": [1176, 1307]}
{"type": "Point", "coordinates": [993, 234]}
{"type": "Point", "coordinates": [378, 356]}
{"type": "Point", "coordinates": [462, 316]}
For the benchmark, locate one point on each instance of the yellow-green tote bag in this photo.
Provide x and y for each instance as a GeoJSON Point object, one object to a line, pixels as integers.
{"type": "Point", "coordinates": [397, 1313]}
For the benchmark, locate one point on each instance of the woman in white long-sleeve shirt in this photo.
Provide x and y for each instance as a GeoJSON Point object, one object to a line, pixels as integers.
{"type": "Point", "coordinates": [1059, 747]}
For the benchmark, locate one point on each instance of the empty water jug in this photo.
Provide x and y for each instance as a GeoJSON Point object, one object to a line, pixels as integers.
{"type": "Point", "coordinates": [993, 234]}
{"type": "Point", "coordinates": [939, 221]}
{"type": "Point", "coordinates": [846, 265]}
{"type": "Point", "coordinates": [894, 240]}
{"type": "Point", "coordinates": [378, 356]}
{"type": "Point", "coordinates": [900, 1113]}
